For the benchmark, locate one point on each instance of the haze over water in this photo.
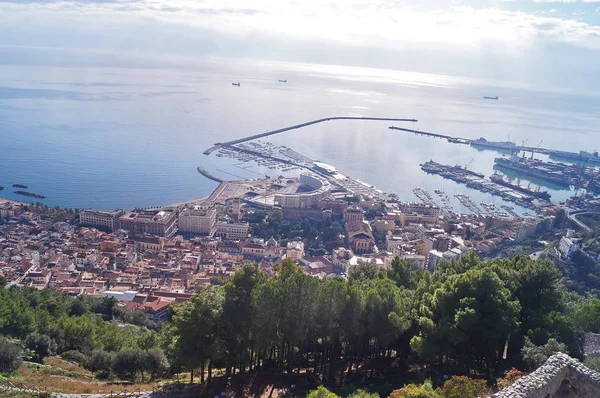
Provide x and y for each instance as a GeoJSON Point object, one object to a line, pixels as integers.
{"type": "Point", "coordinates": [124, 137]}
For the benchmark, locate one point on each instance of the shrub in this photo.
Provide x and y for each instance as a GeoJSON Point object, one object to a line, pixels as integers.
{"type": "Point", "coordinates": [11, 356]}
{"type": "Point", "coordinates": [535, 356]}
{"type": "Point", "coordinates": [593, 363]}
{"type": "Point", "coordinates": [413, 391]}
{"type": "Point", "coordinates": [462, 387]}
{"type": "Point", "coordinates": [101, 361]}
{"type": "Point", "coordinates": [510, 376]}
{"type": "Point", "coordinates": [74, 356]}
{"type": "Point", "coordinates": [321, 392]}
{"type": "Point", "coordinates": [41, 345]}
{"type": "Point", "coordinates": [129, 363]}
{"type": "Point", "coordinates": [155, 363]}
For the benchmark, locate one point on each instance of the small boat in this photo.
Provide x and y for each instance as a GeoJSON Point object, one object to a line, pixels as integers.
{"type": "Point", "coordinates": [491, 98]}
{"type": "Point", "coordinates": [235, 84]}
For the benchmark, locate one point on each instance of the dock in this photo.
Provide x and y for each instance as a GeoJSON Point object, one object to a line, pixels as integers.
{"type": "Point", "coordinates": [301, 125]}
{"type": "Point", "coordinates": [206, 174]}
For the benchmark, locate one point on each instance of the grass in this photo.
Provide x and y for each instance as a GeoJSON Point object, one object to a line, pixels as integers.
{"type": "Point", "coordinates": [58, 375]}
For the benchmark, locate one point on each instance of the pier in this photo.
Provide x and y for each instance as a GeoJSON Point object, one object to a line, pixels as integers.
{"type": "Point", "coordinates": [298, 126]}
{"type": "Point", "coordinates": [206, 174]}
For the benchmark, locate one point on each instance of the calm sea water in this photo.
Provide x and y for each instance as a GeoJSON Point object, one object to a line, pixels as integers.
{"type": "Point", "coordinates": [108, 137]}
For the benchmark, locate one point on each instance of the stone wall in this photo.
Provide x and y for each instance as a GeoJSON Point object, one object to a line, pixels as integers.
{"type": "Point", "coordinates": [560, 377]}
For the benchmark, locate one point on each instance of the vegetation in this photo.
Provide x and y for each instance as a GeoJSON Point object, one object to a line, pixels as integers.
{"type": "Point", "coordinates": [468, 318]}
{"type": "Point", "coordinates": [320, 237]}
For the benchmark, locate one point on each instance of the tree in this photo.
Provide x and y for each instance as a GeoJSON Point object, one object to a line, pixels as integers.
{"type": "Point", "coordinates": [155, 363]}
{"type": "Point", "coordinates": [197, 326]}
{"type": "Point", "coordinates": [587, 317]}
{"type": "Point", "coordinates": [11, 356]}
{"type": "Point", "coordinates": [535, 356]}
{"type": "Point", "coordinates": [469, 315]}
{"type": "Point", "coordinates": [321, 392]}
{"type": "Point", "coordinates": [129, 363]}
{"type": "Point", "coordinates": [41, 345]}
{"type": "Point", "coordinates": [363, 394]}
{"type": "Point", "coordinates": [101, 362]}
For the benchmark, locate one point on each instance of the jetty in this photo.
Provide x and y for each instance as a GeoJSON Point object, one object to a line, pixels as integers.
{"type": "Point", "coordinates": [206, 174]}
{"type": "Point", "coordinates": [301, 125]}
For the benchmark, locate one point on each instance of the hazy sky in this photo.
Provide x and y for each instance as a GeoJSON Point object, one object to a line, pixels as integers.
{"type": "Point", "coordinates": [544, 41]}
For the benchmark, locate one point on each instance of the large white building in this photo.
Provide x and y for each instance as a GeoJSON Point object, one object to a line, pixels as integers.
{"type": "Point", "coordinates": [100, 218]}
{"type": "Point", "coordinates": [318, 187]}
{"type": "Point", "coordinates": [568, 246]}
{"type": "Point", "coordinates": [199, 220]}
{"type": "Point", "coordinates": [232, 231]}
{"type": "Point", "coordinates": [153, 222]}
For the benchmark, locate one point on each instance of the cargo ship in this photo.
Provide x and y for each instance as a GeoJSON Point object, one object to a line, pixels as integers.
{"type": "Point", "coordinates": [520, 165]}
{"type": "Point", "coordinates": [282, 81]}
{"type": "Point", "coordinates": [501, 145]}
{"type": "Point", "coordinates": [582, 156]}
{"type": "Point", "coordinates": [235, 84]}
{"type": "Point", "coordinates": [492, 98]}
{"type": "Point", "coordinates": [499, 179]}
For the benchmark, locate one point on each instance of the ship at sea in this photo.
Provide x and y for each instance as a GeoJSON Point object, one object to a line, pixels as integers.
{"type": "Point", "coordinates": [534, 169]}
{"type": "Point", "coordinates": [499, 179]}
{"type": "Point", "coordinates": [492, 98]}
{"type": "Point", "coordinates": [282, 80]}
{"type": "Point", "coordinates": [235, 84]}
{"type": "Point", "coordinates": [582, 156]}
{"type": "Point", "coordinates": [501, 145]}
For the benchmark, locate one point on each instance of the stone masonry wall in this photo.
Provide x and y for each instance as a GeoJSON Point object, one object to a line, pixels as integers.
{"type": "Point", "coordinates": [560, 377]}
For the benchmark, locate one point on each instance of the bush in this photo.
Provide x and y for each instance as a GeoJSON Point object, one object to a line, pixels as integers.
{"type": "Point", "coordinates": [535, 356]}
{"type": "Point", "coordinates": [413, 391]}
{"type": "Point", "coordinates": [74, 356]}
{"type": "Point", "coordinates": [321, 392]}
{"type": "Point", "coordinates": [41, 345]}
{"type": "Point", "coordinates": [102, 362]}
{"type": "Point", "coordinates": [129, 363]}
{"type": "Point", "coordinates": [510, 376]}
{"type": "Point", "coordinates": [463, 387]}
{"type": "Point", "coordinates": [11, 356]}
{"type": "Point", "coordinates": [593, 363]}
{"type": "Point", "coordinates": [156, 363]}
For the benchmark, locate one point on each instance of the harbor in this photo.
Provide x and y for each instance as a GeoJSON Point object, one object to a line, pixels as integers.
{"type": "Point", "coordinates": [523, 197]}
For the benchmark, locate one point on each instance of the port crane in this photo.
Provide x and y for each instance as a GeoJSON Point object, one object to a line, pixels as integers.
{"type": "Point", "coordinates": [538, 146]}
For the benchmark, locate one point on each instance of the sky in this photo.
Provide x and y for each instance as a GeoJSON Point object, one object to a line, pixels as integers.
{"type": "Point", "coordinates": [540, 41]}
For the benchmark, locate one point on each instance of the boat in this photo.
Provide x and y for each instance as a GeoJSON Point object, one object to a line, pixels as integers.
{"type": "Point", "coordinates": [502, 145]}
{"type": "Point", "coordinates": [235, 84]}
{"type": "Point", "coordinates": [282, 81]}
{"type": "Point", "coordinates": [499, 179]}
{"type": "Point", "coordinates": [19, 186]}
{"type": "Point", "coordinates": [491, 98]}
{"type": "Point", "coordinates": [582, 156]}
{"type": "Point", "coordinates": [521, 166]}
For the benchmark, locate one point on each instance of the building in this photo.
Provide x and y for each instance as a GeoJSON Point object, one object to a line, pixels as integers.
{"type": "Point", "coordinates": [100, 219]}
{"type": "Point", "coordinates": [9, 209]}
{"type": "Point", "coordinates": [360, 237]}
{"type": "Point", "coordinates": [568, 246]}
{"type": "Point", "coordinates": [153, 222]}
{"type": "Point", "coordinates": [232, 231]}
{"type": "Point", "coordinates": [524, 231]}
{"type": "Point", "coordinates": [433, 258]}
{"type": "Point", "coordinates": [313, 189]}
{"type": "Point", "coordinates": [295, 250]}
{"type": "Point", "coordinates": [419, 213]}
{"type": "Point", "coordinates": [199, 220]}
{"type": "Point", "coordinates": [354, 214]}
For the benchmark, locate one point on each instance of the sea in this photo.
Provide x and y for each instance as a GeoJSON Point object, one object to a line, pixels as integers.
{"type": "Point", "coordinates": [107, 137]}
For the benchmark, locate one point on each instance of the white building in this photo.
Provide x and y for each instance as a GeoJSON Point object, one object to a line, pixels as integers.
{"type": "Point", "coordinates": [295, 250]}
{"type": "Point", "coordinates": [232, 231]}
{"type": "Point", "coordinates": [100, 218]}
{"type": "Point", "coordinates": [433, 258]}
{"type": "Point", "coordinates": [319, 188]}
{"type": "Point", "coordinates": [199, 220]}
{"type": "Point", "coordinates": [568, 246]}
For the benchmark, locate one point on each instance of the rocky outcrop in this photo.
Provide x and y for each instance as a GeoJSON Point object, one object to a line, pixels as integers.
{"type": "Point", "coordinates": [560, 377]}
